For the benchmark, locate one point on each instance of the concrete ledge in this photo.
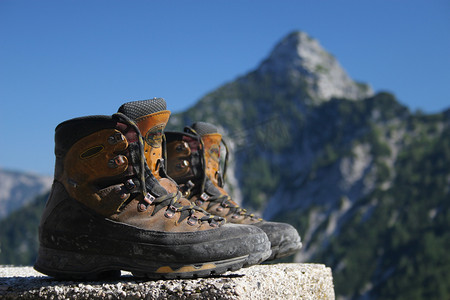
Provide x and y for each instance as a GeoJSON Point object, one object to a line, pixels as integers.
{"type": "Point", "coordinates": [278, 281]}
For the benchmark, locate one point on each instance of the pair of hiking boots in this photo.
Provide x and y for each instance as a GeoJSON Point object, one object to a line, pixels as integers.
{"type": "Point", "coordinates": [128, 196]}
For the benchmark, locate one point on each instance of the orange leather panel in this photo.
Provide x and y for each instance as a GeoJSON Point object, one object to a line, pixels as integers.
{"type": "Point", "coordinates": [152, 130]}
{"type": "Point", "coordinates": [91, 160]}
{"type": "Point", "coordinates": [212, 155]}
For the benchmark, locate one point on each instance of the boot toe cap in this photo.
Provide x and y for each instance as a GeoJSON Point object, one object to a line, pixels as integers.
{"type": "Point", "coordinates": [283, 237]}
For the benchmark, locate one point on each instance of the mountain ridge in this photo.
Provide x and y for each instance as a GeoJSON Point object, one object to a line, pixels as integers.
{"type": "Point", "coordinates": [19, 188]}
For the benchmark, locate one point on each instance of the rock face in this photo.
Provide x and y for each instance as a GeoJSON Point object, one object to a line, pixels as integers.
{"type": "Point", "coordinates": [280, 281]}
{"type": "Point", "coordinates": [299, 56]}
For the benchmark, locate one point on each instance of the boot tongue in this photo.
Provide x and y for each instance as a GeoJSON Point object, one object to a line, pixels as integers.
{"type": "Point", "coordinates": [151, 117]}
{"type": "Point", "coordinates": [137, 109]}
{"type": "Point", "coordinates": [203, 128]}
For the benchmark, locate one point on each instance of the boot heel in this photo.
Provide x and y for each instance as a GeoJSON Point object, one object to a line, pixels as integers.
{"type": "Point", "coordinates": [70, 265]}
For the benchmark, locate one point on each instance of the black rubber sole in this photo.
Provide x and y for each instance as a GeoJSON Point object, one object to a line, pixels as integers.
{"type": "Point", "coordinates": [194, 270]}
{"type": "Point", "coordinates": [51, 262]}
{"type": "Point", "coordinates": [67, 265]}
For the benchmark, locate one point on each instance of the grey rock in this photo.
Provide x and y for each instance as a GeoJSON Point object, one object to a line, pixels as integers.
{"type": "Point", "coordinates": [300, 56]}
{"type": "Point", "coordinates": [277, 281]}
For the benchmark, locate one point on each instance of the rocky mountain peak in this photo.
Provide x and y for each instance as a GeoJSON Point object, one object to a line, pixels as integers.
{"type": "Point", "coordinates": [300, 56]}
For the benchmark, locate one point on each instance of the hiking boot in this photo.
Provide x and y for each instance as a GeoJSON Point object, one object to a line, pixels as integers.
{"type": "Point", "coordinates": [193, 161]}
{"type": "Point", "coordinates": [107, 212]}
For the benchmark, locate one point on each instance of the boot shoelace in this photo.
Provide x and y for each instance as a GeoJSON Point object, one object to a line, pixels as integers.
{"type": "Point", "coordinates": [186, 211]}
{"type": "Point", "coordinates": [225, 200]}
{"type": "Point", "coordinates": [169, 200]}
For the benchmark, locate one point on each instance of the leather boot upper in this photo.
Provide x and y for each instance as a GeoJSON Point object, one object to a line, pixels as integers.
{"type": "Point", "coordinates": [193, 160]}
{"type": "Point", "coordinates": [100, 161]}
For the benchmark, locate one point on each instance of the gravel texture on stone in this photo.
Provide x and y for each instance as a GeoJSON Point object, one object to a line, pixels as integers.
{"type": "Point", "coordinates": [277, 281]}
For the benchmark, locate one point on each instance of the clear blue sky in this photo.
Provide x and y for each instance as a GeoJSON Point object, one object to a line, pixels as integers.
{"type": "Point", "coordinates": [63, 59]}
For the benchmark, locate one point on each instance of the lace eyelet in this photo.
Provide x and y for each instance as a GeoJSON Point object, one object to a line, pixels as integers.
{"type": "Point", "coordinates": [121, 192]}
{"type": "Point", "coordinates": [180, 147]}
{"type": "Point", "coordinates": [142, 207]}
{"type": "Point", "coordinates": [116, 161]}
{"type": "Point", "coordinates": [170, 212]}
{"type": "Point", "coordinates": [149, 198]}
{"type": "Point", "coordinates": [185, 189]}
{"type": "Point", "coordinates": [192, 220]}
{"type": "Point", "coordinates": [115, 138]}
{"type": "Point", "coordinates": [182, 165]}
{"type": "Point", "coordinates": [129, 184]}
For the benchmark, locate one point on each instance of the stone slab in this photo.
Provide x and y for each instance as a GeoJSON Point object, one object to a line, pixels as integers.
{"type": "Point", "coordinates": [276, 281]}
